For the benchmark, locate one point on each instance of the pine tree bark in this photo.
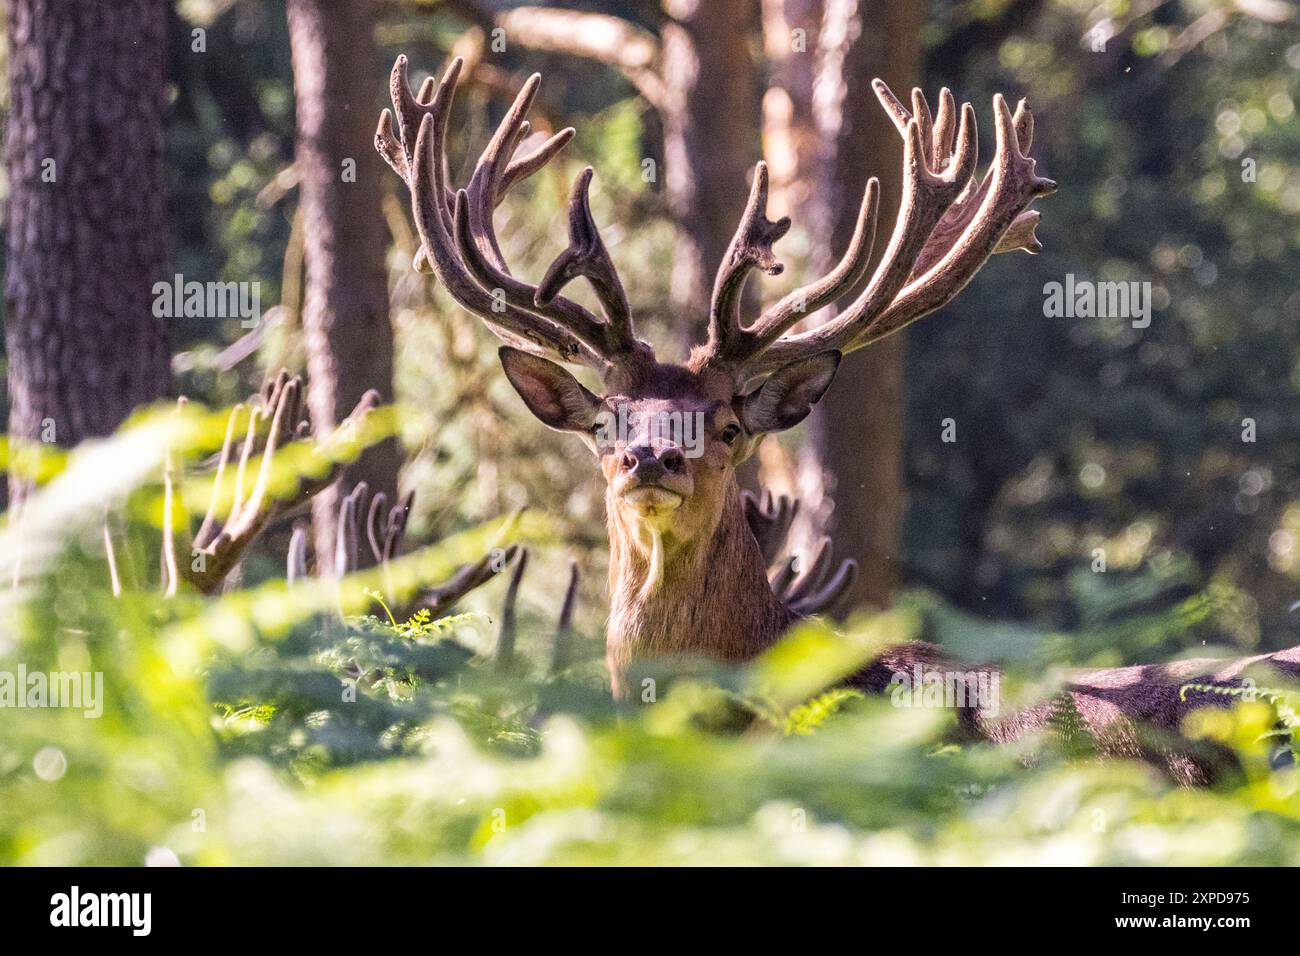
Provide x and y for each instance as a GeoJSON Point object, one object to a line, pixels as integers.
{"type": "Point", "coordinates": [349, 336]}
{"type": "Point", "coordinates": [856, 432]}
{"type": "Point", "coordinates": [87, 231]}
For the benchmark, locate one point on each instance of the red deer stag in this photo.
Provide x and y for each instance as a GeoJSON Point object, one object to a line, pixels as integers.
{"type": "Point", "coordinates": [687, 574]}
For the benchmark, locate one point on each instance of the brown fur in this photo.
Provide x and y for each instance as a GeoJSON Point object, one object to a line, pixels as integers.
{"type": "Point", "coordinates": [735, 616]}
{"type": "Point", "coordinates": [1128, 712]}
{"type": "Point", "coordinates": [732, 618]}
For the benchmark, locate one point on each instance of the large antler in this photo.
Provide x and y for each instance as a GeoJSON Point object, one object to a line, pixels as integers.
{"type": "Point", "coordinates": [459, 243]}
{"type": "Point", "coordinates": [269, 423]}
{"type": "Point", "coordinates": [363, 518]}
{"type": "Point", "coordinates": [948, 225]}
{"type": "Point", "coordinates": [813, 588]}
{"type": "Point", "coordinates": [383, 527]}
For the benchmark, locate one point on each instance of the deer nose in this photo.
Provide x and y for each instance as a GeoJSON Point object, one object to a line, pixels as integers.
{"type": "Point", "coordinates": [647, 464]}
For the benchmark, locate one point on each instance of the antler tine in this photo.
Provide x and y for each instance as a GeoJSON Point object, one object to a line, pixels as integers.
{"type": "Point", "coordinates": [389, 145]}
{"type": "Point", "coordinates": [893, 106]}
{"type": "Point", "coordinates": [250, 513]}
{"type": "Point", "coordinates": [751, 247]}
{"type": "Point", "coordinates": [524, 166]}
{"type": "Point", "coordinates": [1014, 184]}
{"type": "Point", "coordinates": [785, 573]}
{"type": "Point", "coordinates": [928, 190]}
{"type": "Point", "coordinates": [769, 519]}
{"type": "Point", "coordinates": [505, 650]}
{"type": "Point", "coordinates": [587, 256]}
{"type": "Point", "coordinates": [296, 562]}
{"type": "Point", "coordinates": [427, 89]}
{"type": "Point", "coordinates": [457, 238]}
{"type": "Point", "coordinates": [208, 527]}
{"type": "Point", "coordinates": [393, 536]}
{"type": "Point", "coordinates": [1021, 236]}
{"type": "Point", "coordinates": [945, 130]}
{"type": "Point", "coordinates": [560, 650]}
{"type": "Point", "coordinates": [385, 526]}
{"type": "Point", "coordinates": [255, 415]}
{"type": "Point", "coordinates": [947, 226]}
{"type": "Point", "coordinates": [273, 387]}
{"type": "Point", "coordinates": [808, 299]}
{"type": "Point", "coordinates": [397, 519]}
{"type": "Point", "coordinates": [375, 531]}
{"type": "Point", "coordinates": [468, 577]}
{"type": "Point", "coordinates": [486, 178]}
{"type": "Point", "coordinates": [827, 595]}
{"type": "Point", "coordinates": [813, 574]}
{"type": "Point", "coordinates": [1024, 123]}
{"type": "Point", "coordinates": [345, 538]}
{"type": "Point", "coordinates": [409, 112]}
{"type": "Point", "coordinates": [347, 549]}
{"type": "Point", "coordinates": [565, 620]}
{"type": "Point", "coordinates": [925, 124]}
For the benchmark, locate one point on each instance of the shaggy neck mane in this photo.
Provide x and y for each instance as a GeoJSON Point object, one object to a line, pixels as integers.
{"type": "Point", "coordinates": [703, 597]}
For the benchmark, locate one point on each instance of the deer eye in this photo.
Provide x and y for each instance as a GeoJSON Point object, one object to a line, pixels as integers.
{"type": "Point", "coordinates": [731, 433]}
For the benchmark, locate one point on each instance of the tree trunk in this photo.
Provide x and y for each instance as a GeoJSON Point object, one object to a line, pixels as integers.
{"type": "Point", "coordinates": [87, 216]}
{"type": "Point", "coordinates": [856, 432]}
{"type": "Point", "coordinates": [790, 139]}
{"type": "Point", "coordinates": [349, 338]}
{"type": "Point", "coordinates": [711, 141]}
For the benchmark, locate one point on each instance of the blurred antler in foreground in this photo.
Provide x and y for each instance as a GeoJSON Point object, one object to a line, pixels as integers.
{"type": "Point", "coordinates": [468, 577]}
{"type": "Point", "coordinates": [385, 527]}
{"type": "Point", "coordinates": [269, 423]}
{"type": "Point", "coordinates": [508, 633]}
{"type": "Point", "coordinates": [384, 534]}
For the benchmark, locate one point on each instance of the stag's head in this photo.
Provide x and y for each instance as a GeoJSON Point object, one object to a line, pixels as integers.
{"type": "Point", "coordinates": [669, 436]}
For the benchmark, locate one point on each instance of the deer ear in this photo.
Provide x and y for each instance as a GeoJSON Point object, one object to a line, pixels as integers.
{"type": "Point", "coordinates": [789, 394]}
{"type": "Point", "coordinates": [550, 392]}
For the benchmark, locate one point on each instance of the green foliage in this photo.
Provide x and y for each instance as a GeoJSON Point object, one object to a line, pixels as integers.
{"type": "Point", "coordinates": [312, 724]}
{"type": "Point", "coordinates": [367, 738]}
{"type": "Point", "coordinates": [1286, 726]}
{"type": "Point", "coordinates": [808, 717]}
{"type": "Point", "coordinates": [1084, 433]}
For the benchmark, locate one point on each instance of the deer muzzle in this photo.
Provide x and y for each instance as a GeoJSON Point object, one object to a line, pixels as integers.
{"type": "Point", "coordinates": [653, 478]}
